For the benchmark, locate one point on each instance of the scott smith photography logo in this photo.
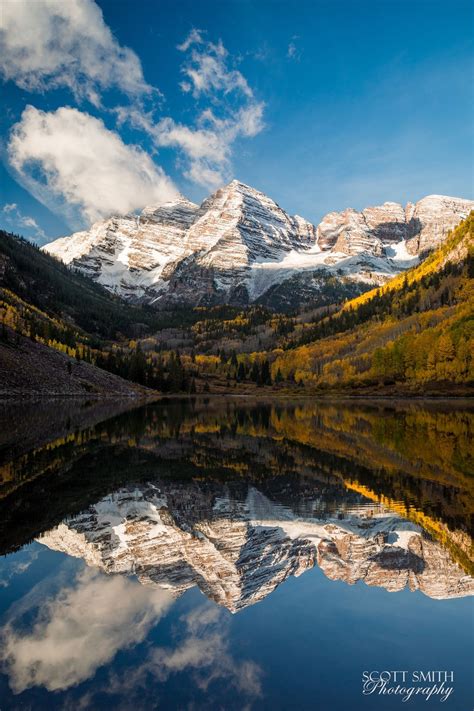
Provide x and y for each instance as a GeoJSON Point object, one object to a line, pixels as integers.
{"type": "Point", "coordinates": [433, 685]}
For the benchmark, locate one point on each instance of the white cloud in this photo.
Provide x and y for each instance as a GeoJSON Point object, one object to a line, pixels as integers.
{"type": "Point", "coordinates": [194, 37]}
{"type": "Point", "coordinates": [79, 630]}
{"type": "Point", "coordinates": [17, 220]}
{"type": "Point", "coordinates": [293, 52]}
{"type": "Point", "coordinates": [206, 69]}
{"type": "Point", "coordinates": [201, 649]}
{"type": "Point", "coordinates": [69, 160]}
{"type": "Point", "coordinates": [19, 563]}
{"type": "Point", "coordinates": [207, 145]}
{"type": "Point", "coordinates": [204, 652]}
{"type": "Point", "coordinates": [250, 119]}
{"type": "Point", "coordinates": [46, 44]}
{"type": "Point", "coordinates": [72, 163]}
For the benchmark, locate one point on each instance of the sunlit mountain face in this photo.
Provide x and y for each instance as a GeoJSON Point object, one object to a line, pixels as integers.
{"type": "Point", "coordinates": [237, 543]}
{"type": "Point", "coordinates": [155, 537]}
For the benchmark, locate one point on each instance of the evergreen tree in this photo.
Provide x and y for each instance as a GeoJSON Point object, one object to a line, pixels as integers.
{"type": "Point", "coordinates": [137, 366]}
{"type": "Point", "coordinates": [265, 375]}
{"type": "Point", "coordinates": [241, 373]}
{"type": "Point", "coordinates": [255, 372]}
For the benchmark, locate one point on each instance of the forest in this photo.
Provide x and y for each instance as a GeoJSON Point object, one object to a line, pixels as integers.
{"type": "Point", "coordinates": [416, 330]}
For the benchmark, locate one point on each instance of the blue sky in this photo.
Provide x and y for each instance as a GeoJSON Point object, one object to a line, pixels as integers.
{"type": "Point", "coordinates": [322, 105]}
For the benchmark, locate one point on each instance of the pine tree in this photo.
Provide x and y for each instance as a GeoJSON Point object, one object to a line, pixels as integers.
{"type": "Point", "coordinates": [241, 373]}
{"type": "Point", "coordinates": [137, 366]}
{"type": "Point", "coordinates": [255, 372]}
{"type": "Point", "coordinates": [265, 375]}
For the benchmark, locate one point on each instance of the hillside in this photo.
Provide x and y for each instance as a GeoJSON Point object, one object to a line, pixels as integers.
{"type": "Point", "coordinates": [415, 333]}
{"type": "Point", "coordinates": [58, 290]}
{"type": "Point", "coordinates": [52, 287]}
{"type": "Point", "coordinates": [59, 331]}
{"type": "Point", "coordinates": [32, 370]}
{"type": "Point", "coordinates": [53, 323]}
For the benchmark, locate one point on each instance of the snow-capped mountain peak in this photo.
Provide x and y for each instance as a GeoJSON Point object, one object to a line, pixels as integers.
{"type": "Point", "coordinates": [169, 207]}
{"type": "Point", "coordinates": [239, 245]}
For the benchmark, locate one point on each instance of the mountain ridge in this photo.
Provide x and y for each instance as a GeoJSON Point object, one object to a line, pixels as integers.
{"type": "Point", "coordinates": [239, 244]}
{"type": "Point", "coordinates": [238, 551]}
{"type": "Point", "coordinates": [411, 335]}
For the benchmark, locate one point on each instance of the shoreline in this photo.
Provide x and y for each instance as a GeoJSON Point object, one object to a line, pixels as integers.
{"type": "Point", "coordinates": [141, 398]}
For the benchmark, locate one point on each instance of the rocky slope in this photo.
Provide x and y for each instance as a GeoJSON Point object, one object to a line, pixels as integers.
{"type": "Point", "coordinates": [239, 245]}
{"type": "Point", "coordinates": [30, 370]}
{"type": "Point", "coordinates": [238, 550]}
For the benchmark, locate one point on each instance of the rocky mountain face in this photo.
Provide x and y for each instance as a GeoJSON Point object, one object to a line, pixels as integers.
{"type": "Point", "coordinates": [238, 549]}
{"type": "Point", "coordinates": [239, 245]}
{"type": "Point", "coordinates": [127, 254]}
{"type": "Point", "coordinates": [390, 227]}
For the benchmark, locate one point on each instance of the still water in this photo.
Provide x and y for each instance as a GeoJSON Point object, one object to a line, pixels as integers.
{"type": "Point", "coordinates": [214, 554]}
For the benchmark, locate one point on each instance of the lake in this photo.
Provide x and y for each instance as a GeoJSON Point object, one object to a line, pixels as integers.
{"type": "Point", "coordinates": [236, 554]}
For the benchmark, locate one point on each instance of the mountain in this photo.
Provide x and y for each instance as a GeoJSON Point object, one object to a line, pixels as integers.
{"type": "Point", "coordinates": [127, 254]}
{"type": "Point", "coordinates": [303, 454]}
{"type": "Point", "coordinates": [240, 247]}
{"type": "Point", "coordinates": [415, 332]}
{"type": "Point", "coordinates": [56, 326]}
{"type": "Point", "coordinates": [238, 550]}
{"type": "Point", "coordinates": [391, 228]}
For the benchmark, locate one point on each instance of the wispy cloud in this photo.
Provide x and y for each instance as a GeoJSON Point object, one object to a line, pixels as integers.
{"type": "Point", "coordinates": [21, 561]}
{"type": "Point", "coordinates": [201, 650]}
{"type": "Point", "coordinates": [207, 68]}
{"type": "Point", "coordinates": [206, 146]}
{"type": "Point", "coordinates": [293, 51]}
{"type": "Point", "coordinates": [16, 220]}
{"type": "Point", "coordinates": [204, 653]}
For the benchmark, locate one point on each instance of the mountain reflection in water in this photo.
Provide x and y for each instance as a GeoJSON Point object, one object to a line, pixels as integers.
{"type": "Point", "coordinates": [234, 497]}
